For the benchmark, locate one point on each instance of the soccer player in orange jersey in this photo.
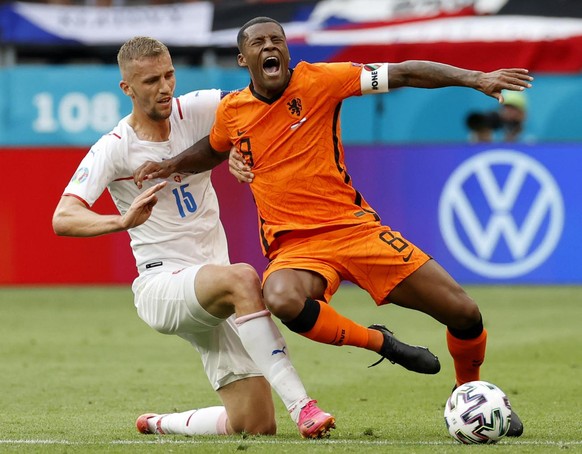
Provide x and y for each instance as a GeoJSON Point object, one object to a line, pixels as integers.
{"type": "Point", "coordinates": [316, 228]}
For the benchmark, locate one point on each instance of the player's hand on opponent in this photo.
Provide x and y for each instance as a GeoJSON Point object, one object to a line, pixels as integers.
{"type": "Point", "coordinates": [141, 208]}
{"type": "Point", "coordinates": [151, 170]}
{"type": "Point", "coordinates": [239, 168]}
{"type": "Point", "coordinates": [515, 79]}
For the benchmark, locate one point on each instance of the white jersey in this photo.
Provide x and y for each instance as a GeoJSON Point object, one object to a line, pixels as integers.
{"type": "Point", "coordinates": [184, 228]}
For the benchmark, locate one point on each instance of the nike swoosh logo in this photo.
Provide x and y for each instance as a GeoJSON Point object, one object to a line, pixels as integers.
{"type": "Point", "coordinates": [407, 258]}
{"type": "Point", "coordinates": [240, 133]}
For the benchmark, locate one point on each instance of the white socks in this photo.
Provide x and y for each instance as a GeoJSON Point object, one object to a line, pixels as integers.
{"type": "Point", "coordinates": [266, 346]}
{"type": "Point", "coordinates": [204, 421]}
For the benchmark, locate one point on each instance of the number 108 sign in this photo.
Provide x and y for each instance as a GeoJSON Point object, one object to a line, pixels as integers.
{"type": "Point", "coordinates": [75, 112]}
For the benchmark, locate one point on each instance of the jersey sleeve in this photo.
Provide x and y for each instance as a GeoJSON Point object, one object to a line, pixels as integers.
{"type": "Point", "coordinates": [94, 173]}
{"type": "Point", "coordinates": [219, 137]}
{"type": "Point", "coordinates": [354, 79]}
{"type": "Point", "coordinates": [199, 107]}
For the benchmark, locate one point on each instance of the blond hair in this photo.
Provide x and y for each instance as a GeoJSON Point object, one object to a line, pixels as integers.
{"type": "Point", "coordinates": [137, 48]}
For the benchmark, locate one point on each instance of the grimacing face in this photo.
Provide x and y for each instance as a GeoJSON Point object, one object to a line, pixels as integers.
{"type": "Point", "coordinates": [266, 55]}
{"type": "Point", "coordinates": [150, 84]}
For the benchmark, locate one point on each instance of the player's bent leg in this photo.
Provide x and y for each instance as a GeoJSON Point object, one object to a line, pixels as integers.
{"type": "Point", "coordinates": [320, 322]}
{"type": "Point", "coordinates": [285, 291]}
{"type": "Point", "coordinates": [430, 289]}
{"type": "Point", "coordinates": [200, 421]}
{"type": "Point", "coordinates": [251, 410]}
{"type": "Point", "coordinates": [290, 295]}
{"type": "Point", "coordinates": [238, 286]}
{"type": "Point", "coordinates": [224, 290]}
{"type": "Point", "coordinates": [249, 406]}
{"type": "Point", "coordinates": [265, 344]}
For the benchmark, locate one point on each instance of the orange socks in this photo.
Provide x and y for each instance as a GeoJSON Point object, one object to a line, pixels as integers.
{"type": "Point", "coordinates": [468, 355]}
{"type": "Point", "coordinates": [330, 327]}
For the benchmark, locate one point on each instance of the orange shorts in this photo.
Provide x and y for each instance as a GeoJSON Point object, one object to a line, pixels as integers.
{"type": "Point", "coordinates": [369, 255]}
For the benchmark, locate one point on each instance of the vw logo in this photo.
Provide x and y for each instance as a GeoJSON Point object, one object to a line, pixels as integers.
{"type": "Point", "coordinates": [501, 214]}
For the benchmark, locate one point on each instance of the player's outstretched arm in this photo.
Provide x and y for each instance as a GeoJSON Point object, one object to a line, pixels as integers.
{"type": "Point", "coordinates": [427, 74]}
{"type": "Point", "coordinates": [73, 218]}
{"type": "Point", "coordinates": [200, 157]}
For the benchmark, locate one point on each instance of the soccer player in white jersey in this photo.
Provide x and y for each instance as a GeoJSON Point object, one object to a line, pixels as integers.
{"type": "Point", "coordinates": [186, 285]}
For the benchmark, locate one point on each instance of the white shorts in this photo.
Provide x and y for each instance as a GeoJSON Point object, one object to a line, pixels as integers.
{"type": "Point", "coordinates": [167, 302]}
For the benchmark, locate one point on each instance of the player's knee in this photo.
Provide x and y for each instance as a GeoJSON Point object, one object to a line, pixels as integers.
{"type": "Point", "coordinates": [467, 313]}
{"type": "Point", "coordinates": [245, 281]}
{"type": "Point", "coordinates": [261, 427]}
{"type": "Point", "coordinates": [255, 425]}
{"type": "Point", "coordinates": [283, 302]}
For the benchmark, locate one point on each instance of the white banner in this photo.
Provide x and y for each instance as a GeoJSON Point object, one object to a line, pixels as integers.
{"type": "Point", "coordinates": [186, 24]}
{"type": "Point", "coordinates": [454, 29]}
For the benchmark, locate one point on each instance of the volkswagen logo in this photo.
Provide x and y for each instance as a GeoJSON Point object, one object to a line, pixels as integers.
{"type": "Point", "coordinates": [501, 214]}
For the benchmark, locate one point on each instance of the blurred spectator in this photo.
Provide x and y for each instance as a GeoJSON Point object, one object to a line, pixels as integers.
{"type": "Point", "coordinates": [509, 119]}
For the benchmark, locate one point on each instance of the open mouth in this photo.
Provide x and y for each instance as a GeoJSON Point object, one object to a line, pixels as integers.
{"type": "Point", "coordinates": [271, 65]}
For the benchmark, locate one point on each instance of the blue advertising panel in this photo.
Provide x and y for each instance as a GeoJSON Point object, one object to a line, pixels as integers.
{"type": "Point", "coordinates": [488, 214]}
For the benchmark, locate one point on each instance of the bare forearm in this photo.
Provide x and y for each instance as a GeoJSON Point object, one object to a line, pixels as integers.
{"type": "Point", "coordinates": [200, 157]}
{"type": "Point", "coordinates": [426, 74]}
{"type": "Point", "coordinates": [71, 220]}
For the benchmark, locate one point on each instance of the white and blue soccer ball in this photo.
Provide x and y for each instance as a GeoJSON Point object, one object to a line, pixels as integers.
{"type": "Point", "coordinates": [478, 412]}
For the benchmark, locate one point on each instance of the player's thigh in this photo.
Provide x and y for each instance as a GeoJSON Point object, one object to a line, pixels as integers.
{"type": "Point", "coordinates": [167, 302]}
{"type": "Point", "coordinates": [430, 289]}
{"type": "Point", "coordinates": [295, 283]}
{"type": "Point", "coordinates": [285, 291]}
{"type": "Point", "coordinates": [249, 405]}
{"type": "Point", "coordinates": [224, 290]}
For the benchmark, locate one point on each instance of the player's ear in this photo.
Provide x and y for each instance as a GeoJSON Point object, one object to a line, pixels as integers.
{"type": "Point", "coordinates": [241, 60]}
{"type": "Point", "coordinates": [125, 88]}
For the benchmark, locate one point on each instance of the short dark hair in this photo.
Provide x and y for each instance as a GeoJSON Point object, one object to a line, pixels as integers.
{"type": "Point", "coordinates": [257, 20]}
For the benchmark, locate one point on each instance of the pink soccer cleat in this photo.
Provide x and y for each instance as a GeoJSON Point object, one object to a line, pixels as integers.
{"type": "Point", "coordinates": [313, 422]}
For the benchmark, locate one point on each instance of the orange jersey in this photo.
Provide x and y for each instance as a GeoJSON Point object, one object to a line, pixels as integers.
{"type": "Point", "coordinates": [293, 146]}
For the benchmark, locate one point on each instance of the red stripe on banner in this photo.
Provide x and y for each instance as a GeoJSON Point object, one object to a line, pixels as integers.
{"type": "Point", "coordinates": [468, 11]}
{"type": "Point", "coordinates": [559, 56]}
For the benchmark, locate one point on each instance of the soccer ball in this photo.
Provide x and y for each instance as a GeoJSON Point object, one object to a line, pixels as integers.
{"type": "Point", "coordinates": [477, 412]}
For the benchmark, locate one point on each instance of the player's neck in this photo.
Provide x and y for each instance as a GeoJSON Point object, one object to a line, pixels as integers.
{"type": "Point", "coordinates": [149, 130]}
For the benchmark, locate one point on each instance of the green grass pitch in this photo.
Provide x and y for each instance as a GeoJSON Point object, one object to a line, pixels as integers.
{"type": "Point", "coordinates": [77, 367]}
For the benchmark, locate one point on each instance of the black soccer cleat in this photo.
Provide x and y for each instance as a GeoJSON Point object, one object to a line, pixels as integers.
{"type": "Point", "coordinates": [411, 357]}
{"type": "Point", "coordinates": [515, 426]}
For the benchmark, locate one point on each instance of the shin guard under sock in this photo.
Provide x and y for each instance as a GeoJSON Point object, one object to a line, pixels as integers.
{"type": "Point", "coordinates": [320, 322]}
{"type": "Point", "coordinates": [468, 355]}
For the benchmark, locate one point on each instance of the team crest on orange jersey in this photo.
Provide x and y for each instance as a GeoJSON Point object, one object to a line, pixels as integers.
{"type": "Point", "coordinates": [294, 106]}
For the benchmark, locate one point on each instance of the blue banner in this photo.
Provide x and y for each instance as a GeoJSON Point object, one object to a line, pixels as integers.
{"type": "Point", "coordinates": [508, 214]}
